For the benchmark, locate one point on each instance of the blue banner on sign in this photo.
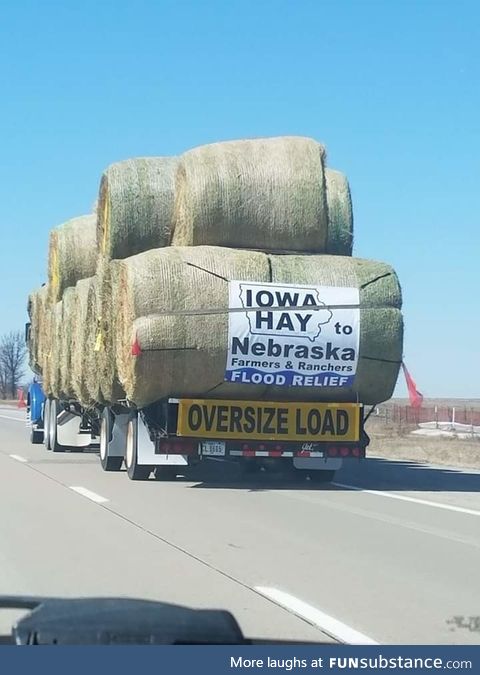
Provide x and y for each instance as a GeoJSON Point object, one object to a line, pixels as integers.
{"type": "Point", "coordinates": [288, 378]}
{"type": "Point", "coordinates": [229, 660]}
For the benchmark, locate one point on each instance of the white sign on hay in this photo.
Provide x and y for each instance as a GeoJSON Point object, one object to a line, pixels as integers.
{"type": "Point", "coordinates": [274, 343]}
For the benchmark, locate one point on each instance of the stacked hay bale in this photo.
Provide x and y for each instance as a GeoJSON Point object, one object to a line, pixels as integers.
{"type": "Point", "coordinates": [54, 354]}
{"type": "Point", "coordinates": [135, 206]}
{"type": "Point", "coordinates": [36, 312]}
{"type": "Point", "coordinates": [45, 347]}
{"type": "Point", "coordinates": [72, 256]}
{"type": "Point", "coordinates": [134, 214]}
{"type": "Point", "coordinates": [267, 194]}
{"type": "Point", "coordinates": [128, 310]}
{"type": "Point", "coordinates": [80, 331]}
{"type": "Point", "coordinates": [92, 343]}
{"type": "Point", "coordinates": [180, 352]}
{"type": "Point", "coordinates": [244, 210]}
{"type": "Point", "coordinates": [340, 213]}
{"type": "Point", "coordinates": [69, 309]}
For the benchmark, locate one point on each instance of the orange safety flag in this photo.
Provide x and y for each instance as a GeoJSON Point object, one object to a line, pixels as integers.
{"type": "Point", "coordinates": [416, 398]}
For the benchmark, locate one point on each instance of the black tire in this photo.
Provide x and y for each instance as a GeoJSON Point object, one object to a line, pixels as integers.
{"type": "Point", "coordinates": [165, 473]}
{"type": "Point", "coordinates": [106, 427]}
{"type": "Point", "coordinates": [134, 470]}
{"type": "Point", "coordinates": [325, 476]}
{"type": "Point", "coordinates": [54, 444]}
{"type": "Point", "coordinates": [46, 424]}
{"type": "Point", "coordinates": [36, 436]}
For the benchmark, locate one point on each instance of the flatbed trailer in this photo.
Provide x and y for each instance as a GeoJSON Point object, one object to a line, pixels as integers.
{"type": "Point", "coordinates": [169, 436]}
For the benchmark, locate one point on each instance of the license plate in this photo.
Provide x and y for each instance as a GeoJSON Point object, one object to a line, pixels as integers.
{"type": "Point", "coordinates": [213, 448]}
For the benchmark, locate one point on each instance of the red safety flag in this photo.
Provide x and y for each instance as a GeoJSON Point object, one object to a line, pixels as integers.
{"type": "Point", "coordinates": [136, 349]}
{"type": "Point", "coordinates": [21, 399]}
{"type": "Point", "coordinates": [416, 398]}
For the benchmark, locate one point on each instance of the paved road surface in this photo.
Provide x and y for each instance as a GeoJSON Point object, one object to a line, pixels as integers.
{"type": "Point", "coordinates": [392, 561]}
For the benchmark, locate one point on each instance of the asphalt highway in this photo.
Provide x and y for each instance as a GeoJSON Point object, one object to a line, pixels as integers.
{"type": "Point", "coordinates": [389, 553]}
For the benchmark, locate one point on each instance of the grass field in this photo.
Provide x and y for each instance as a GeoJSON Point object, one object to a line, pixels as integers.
{"type": "Point", "coordinates": [391, 442]}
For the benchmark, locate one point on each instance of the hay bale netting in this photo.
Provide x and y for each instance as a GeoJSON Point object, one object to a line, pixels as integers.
{"type": "Point", "coordinates": [110, 386]}
{"type": "Point", "coordinates": [93, 343]}
{"type": "Point", "coordinates": [68, 320]}
{"type": "Point", "coordinates": [36, 309]}
{"type": "Point", "coordinates": [267, 194]}
{"type": "Point", "coordinates": [135, 206]}
{"type": "Point", "coordinates": [186, 355]}
{"type": "Point", "coordinates": [72, 254]}
{"type": "Point", "coordinates": [80, 330]}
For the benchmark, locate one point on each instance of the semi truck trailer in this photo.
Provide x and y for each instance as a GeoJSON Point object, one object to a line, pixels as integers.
{"type": "Point", "coordinates": [167, 437]}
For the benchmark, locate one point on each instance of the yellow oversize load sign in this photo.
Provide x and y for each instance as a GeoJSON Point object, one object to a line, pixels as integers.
{"type": "Point", "coordinates": [267, 421]}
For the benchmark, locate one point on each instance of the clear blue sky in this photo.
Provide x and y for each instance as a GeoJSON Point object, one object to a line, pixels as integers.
{"type": "Point", "coordinates": [392, 88]}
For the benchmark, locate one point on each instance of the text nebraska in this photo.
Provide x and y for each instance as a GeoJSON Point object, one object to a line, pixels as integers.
{"type": "Point", "coordinates": [275, 349]}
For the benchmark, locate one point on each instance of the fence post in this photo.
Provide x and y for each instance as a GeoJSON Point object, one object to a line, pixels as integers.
{"type": "Point", "coordinates": [453, 417]}
{"type": "Point", "coordinates": [436, 417]}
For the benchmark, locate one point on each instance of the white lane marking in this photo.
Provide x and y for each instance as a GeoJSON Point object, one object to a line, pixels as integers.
{"type": "Point", "coordinates": [336, 629]}
{"type": "Point", "coordinates": [18, 458]}
{"type": "Point", "coordinates": [98, 499]}
{"type": "Point", "coordinates": [414, 500]}
{"type": "Point", "coordinates": [16, 419]}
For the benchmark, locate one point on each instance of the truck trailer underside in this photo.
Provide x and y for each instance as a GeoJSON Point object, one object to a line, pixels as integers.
{"type": "Point", "coordinates": [169, 437]}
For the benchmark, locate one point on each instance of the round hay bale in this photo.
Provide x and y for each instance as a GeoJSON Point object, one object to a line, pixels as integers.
{"type": "Point", "coordinates": [340, 214]}
{"type": "Point", "coordinates": [55, 354]}
{"type": "Point", "coordinates": [267, 194]}
{"type": "Point", "coordinates": [68, 319]}
{"type": "Point", "coordinates": [185, 355]}
{"type": "Point", "coordinates": [183, 352]}
{"type": "Point", "coordinates": [93, 343]}
{"type": "Point", "coordinates": [36, 309]}
{"type": "Point", "coordinates": [79, 340]}
{"type": "Point", "coordinates": [110, 386]}
{"type": "Point", "coordinates": [381, 322]}
{"type": "Point", "coordinates": [135, 206]}
{"type": "Point", "coordinates": [72, 254]}
{"type": "Point", "coordinates": [45, 348]}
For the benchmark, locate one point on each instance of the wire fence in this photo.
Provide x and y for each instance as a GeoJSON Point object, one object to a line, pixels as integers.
{"type": "Point", "coordinates": [399, 415]}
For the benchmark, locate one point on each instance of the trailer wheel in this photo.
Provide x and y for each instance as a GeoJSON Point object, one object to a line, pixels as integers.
{"type": "Point", "coordinates": [108, 463]}
{"type": "Point", "coordinates": [53, 413]}
{"type": "Point", "coordinates": [325, 476]}
{"type": "Point", "coordinates": [46, 424]}
{"type": "Point", "coordinates": [134, 470]}
{"type": "Point", "coordinates": [36, 436]}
